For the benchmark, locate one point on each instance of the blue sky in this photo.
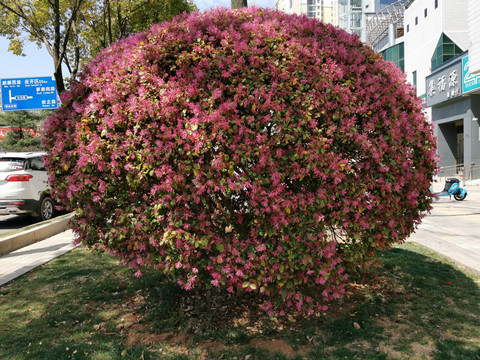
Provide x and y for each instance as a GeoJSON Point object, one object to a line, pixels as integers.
{"type": "Point", "coordinates": [38, 63]}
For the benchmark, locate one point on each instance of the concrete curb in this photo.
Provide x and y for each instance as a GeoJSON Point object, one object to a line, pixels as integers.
{"type": "Point", "coordinates": [32, 235]}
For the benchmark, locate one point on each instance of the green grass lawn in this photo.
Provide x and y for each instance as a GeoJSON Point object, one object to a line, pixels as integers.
{"type": "Point", "coordinates": [84, 306]}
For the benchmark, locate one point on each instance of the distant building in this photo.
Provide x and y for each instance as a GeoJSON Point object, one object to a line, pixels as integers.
{"type": "Point", "coordinates": [353, 14]}
{"type": "Point", "coordinates": [349, 15]}
{"type": "Point", "coordinates": [324, 10]}
{"type": "Point", "coordinates": [292, 6]}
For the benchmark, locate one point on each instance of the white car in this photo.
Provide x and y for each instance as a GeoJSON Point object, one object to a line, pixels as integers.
{"type": "Point", "coordinates": [24, 187]}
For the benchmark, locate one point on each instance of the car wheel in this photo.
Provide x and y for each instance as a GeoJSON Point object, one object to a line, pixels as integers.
{"type": "Point", "coordinates": [47, 209]}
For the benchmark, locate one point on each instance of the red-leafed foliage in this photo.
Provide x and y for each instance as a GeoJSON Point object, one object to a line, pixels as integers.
{"type": "Point", "coordinates": [244, 149]}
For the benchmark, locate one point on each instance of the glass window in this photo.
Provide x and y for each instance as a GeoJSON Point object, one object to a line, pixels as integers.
{"type": "Point", "coordinates": [439, 51]}
{"type": "Point", "coordinates": [445, 50]}
{"type": "Point", "coordinates": [448, 49]}
{"type": "Point", "coordinates": [389, 54]}
{"type": "Point", "coordinates": [395, 54]}
{"type": "Point", "coordinates": [11, 164]}
{"type": "Point", "coordinates": [356, 3]}
{"type": "Point", "coordinates": [37, 164]}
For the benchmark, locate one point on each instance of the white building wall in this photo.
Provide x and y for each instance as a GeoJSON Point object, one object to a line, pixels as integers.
{"type": "Point", "coordinates": [455, 15]}
{"type": "Point", "coordinates": [422, 34]}
{"type": "Point", "coordinates": [330, 11]}
{"type": "Point", "coordinates": [292, 6]}
{"type": "Point", "coordinates": [421, 37]}
{"type": "Point", "coordinates": [474, 35]}
{"type": "Point", "coordinates": [325, 10]}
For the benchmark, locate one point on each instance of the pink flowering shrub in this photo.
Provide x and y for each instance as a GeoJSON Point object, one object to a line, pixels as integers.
{"type": "Point", "coordinates": [244, 149]}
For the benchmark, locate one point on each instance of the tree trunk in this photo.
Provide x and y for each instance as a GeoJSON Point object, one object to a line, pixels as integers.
{"type": "Point", "coordinates": [57, 55]}
{"type": "Point", "coordinates": [237, 4]}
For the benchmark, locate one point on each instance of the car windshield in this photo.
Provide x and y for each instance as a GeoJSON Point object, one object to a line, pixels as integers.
{"type": "Point", "coordinates": [11, 164]}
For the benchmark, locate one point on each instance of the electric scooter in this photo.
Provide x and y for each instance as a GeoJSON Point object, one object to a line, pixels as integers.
{"type": "Point", "coordinates": [452, 187]}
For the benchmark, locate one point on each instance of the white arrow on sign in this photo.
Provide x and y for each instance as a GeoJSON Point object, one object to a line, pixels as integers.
{"type": "Point", "coordinates": [18, 97]}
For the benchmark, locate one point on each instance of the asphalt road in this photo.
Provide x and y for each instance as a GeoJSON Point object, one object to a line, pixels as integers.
{"type": "Point", "coordinates": [14, 222]}
{"type": "Point", "coordinates": [453, 229]}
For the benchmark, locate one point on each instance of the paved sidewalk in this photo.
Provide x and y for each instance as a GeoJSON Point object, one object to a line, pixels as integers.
{"type": "Point", "coordinates": [23, 260]}
{"type": "Point", "coordinates": [452, 229]}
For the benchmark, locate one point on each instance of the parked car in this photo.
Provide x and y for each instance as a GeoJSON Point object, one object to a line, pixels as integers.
{"type": "Point", "coordinates": [24, 187]}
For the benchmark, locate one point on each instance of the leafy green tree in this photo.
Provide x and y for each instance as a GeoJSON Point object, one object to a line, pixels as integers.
{"type": "Point", "coordinates": [112, 20]}
{"type": "Point", "coordinates": [23, 124]}
{"type": "Point", "coordinates": [52, 24]}
{"type": "Point", "coordinates": [73, 31]}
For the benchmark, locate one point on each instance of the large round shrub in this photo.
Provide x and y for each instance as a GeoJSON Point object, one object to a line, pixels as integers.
{"type": "Point", "coordinates": [245, 149]}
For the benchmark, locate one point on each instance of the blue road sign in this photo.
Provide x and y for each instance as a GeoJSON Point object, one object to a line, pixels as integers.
{"type": "Point", "coordinates": [31, 93]}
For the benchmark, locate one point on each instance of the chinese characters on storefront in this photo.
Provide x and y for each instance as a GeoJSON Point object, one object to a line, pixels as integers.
{"type": "Point", "coordinates": [444, 84]}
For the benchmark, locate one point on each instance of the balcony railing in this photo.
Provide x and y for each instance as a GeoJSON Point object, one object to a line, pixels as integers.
{"type": "Point", "coordinates": [461, 171]}
{"type": "Point", "coordinates": [377, 26]}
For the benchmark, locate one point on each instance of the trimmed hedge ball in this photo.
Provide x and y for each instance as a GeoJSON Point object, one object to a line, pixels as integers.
{"type": "Point", "coordinates": [245, 149]}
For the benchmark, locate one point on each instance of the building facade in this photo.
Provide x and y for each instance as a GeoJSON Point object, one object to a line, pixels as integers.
{"type": "Point", "coordinates": [435, 31]}
{"type": "Point", "coordinates": [474, 35]}
{"type": "Point", "coordinates": [292, 6]}
{"type": "Point", "coordinates": [437, 45]}
{"type": "Point", "coordinates": [438, 48]}
{"type": "Point", "coordinates": [354, 14]}
{"type": "Point", "coordinates": [350, 15]}
{"type": "Point", "coordinates": [324, 10]}
{"type": "Point", "coordinates": [440, 37]}
{"type": "Point", "coordinates": [453, 94]}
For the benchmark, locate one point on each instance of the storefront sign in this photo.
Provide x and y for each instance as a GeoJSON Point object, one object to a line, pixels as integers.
{"type": "Point", "coordinates": [470, 82]}
{"type": "Point", "coordinates": [445, 84]}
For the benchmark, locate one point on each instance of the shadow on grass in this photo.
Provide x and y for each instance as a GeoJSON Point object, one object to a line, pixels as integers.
{"type": "Point", "coordinates": [419, 307]}
{"type": "Point", "coordinates": [83, 306]}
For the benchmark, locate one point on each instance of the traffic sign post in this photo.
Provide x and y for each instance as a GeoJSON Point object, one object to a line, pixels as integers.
{"type": "Point", "coordinates": [33, 93]}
